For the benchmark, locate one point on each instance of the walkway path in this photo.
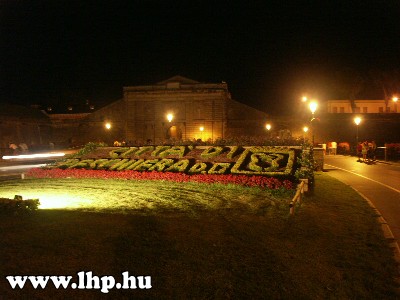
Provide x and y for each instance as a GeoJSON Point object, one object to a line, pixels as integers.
{"type": "Point", "coordinates": [378, 182]}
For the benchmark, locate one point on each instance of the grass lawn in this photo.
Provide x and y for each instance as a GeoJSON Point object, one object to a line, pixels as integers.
{"type": "Point", "coordinates": [196, 241]}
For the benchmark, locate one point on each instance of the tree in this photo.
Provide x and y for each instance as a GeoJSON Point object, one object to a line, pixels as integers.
{"type": "Point", "coordinates": [349, 83]}
{"type": "Point", "coordinates": [387, 81]}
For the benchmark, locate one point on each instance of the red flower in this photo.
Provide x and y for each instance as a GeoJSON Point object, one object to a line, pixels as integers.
{"type": "Point", "coordinates": [250, 181]}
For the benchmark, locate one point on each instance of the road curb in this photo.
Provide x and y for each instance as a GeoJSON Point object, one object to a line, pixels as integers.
{"type": "Point", "coordinates": [387, 232]}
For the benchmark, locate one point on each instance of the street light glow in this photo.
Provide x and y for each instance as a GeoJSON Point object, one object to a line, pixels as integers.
{"type": "Point", "coordinates": [170, 117]}
{"type": "Point", "coordinates": [305, 128]}
{"type": "Point", "coordinates": [395, 99]}
{"type": "Point", "coordinates": [313, 106]}
{"type": "Point", "coordinates": [304, 99]}
{"type": "Point", "coordinates": [108, 125]}
{"type": "Point", "coordinates": [268, 126]}
{"type": "Point", "coordinates": [201, 128]}
{"type": "Point", "coordinates": [357, 121]}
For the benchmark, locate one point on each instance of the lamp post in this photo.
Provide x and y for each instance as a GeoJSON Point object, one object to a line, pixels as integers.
{"type": "Point", "coordinates": [395, 99]}
{"type": "Point", "coordinates": [201, 130]}
{"type": "Point", "coordinates": [357, 121]}
{"type": "Point", "coordinates": [108, 126]}
{"type": "Point", "coordinates": [168, 132]}
{"type": "Point", "coordinates": [268, 127]}
{"type": "Point", "coordinates": [305, 129]}
{"type": "Point", "coordinates": [313, 108]}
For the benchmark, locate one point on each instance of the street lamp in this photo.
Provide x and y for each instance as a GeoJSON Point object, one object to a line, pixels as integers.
{"type": "Point", "coordinates": [201, 130]}
{"type": "Point", "coordinates": [313, 108]}
{"type": "Point", "coordinates": [108, 126]}
{"type": "Point", "coordinates": [395, 99]}
{"type": "Point", "coordinates": [305, 129]}
{"type": "Point", "coordinates": [268, 127]}
{"type": "Point", "coordinates": [357, 121]}
{"type": "Point", "coordinates": [170, 117]}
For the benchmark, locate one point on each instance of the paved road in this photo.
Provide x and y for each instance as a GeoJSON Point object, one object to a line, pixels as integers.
{"type": "Point", "coordinates": [379, 182]}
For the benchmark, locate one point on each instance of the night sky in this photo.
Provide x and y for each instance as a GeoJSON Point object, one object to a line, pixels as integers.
{"type": "Point", "coordinates": [269, 52]}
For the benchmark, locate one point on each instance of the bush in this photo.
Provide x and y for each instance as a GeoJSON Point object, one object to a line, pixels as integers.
{"type": "Point", "coordinates": [18, 204]}
{"type": "Point", "coordinates": [259, 160]}
{"type": "Point", "coordinates": [198, 168]}
{"type": "Point", "coordinates": [180, 166]}
{"type": "Point", "coordinates": [305, 168]}
{"type": "Point", "coordinates": [88, 148]}
{"type": "Point", "coordinates": [212, 152]}
{"type": "Point", "coordinates": [220, 168]}
{"type": "Point", "coordinates": [179, 151]}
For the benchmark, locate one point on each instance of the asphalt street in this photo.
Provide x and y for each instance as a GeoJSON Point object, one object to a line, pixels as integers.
{"type": "Point", "coordinates": [379, 182]}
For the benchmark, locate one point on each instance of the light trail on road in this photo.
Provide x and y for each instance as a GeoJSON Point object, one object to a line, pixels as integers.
{"type": "Point", "coordinates": [19, 167]}
{"type": "Point", "coordinates": [30, 156]}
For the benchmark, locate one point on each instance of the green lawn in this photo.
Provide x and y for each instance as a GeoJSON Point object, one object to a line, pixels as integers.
{"type": "Point", "coordinates": [197, 241]}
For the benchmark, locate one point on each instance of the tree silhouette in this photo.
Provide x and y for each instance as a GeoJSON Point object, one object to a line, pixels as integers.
{"type": "Point", "coordinates": [387, 81]}
{"type": "Point", "coordinates": [348, 83]}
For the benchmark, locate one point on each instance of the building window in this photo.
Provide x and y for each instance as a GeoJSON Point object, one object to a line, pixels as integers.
{"type": "Point", "coordinates": [357, 109]}
{"type": "Point", "coordinates": [198, 110]}
{"type": "Point", "coordinates": [334, 110]}
{"type": "Point", "coordinates": [365, 109]}
{"type": "Point", "coordinates": [342, 110]}
{"type": "Point", "coordinates": [381, 109]}
{"type": "Point", "coordinates": [388, 109]}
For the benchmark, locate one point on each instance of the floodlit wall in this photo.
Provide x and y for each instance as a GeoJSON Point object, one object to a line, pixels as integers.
{"type": "Point", "coordinates": [363, 106]}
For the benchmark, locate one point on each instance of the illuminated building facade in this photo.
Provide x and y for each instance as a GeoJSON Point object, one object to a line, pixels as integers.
{"type": "Point", "coordinates": [177, 109]}
{"type": "Point", "coordinates": [362, 106]}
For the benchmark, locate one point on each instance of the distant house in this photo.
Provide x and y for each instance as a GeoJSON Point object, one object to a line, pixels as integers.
{"type": "Point", "coordinates": [380, 121]}
{"type": "Point", "coordinates": [362, 106]}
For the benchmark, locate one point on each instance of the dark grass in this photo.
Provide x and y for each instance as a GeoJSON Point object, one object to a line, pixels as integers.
{"type": "Point", "coordinates": [204, 242]}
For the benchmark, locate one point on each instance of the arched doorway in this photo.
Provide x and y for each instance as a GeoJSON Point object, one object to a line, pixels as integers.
{"type": "Point", "coordinates": [174, 133]}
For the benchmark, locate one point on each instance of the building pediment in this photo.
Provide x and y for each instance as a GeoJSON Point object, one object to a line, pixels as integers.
{"type": "Point", "coordinates": [178, 79]}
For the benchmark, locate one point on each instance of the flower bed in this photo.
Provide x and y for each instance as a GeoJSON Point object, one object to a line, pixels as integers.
{"type": "Point", "coordinates": [250, 181]}
{"type": "Point", "coordinates": [252, 160]}
{"type": "Point", "coordinates": [266, 167]}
